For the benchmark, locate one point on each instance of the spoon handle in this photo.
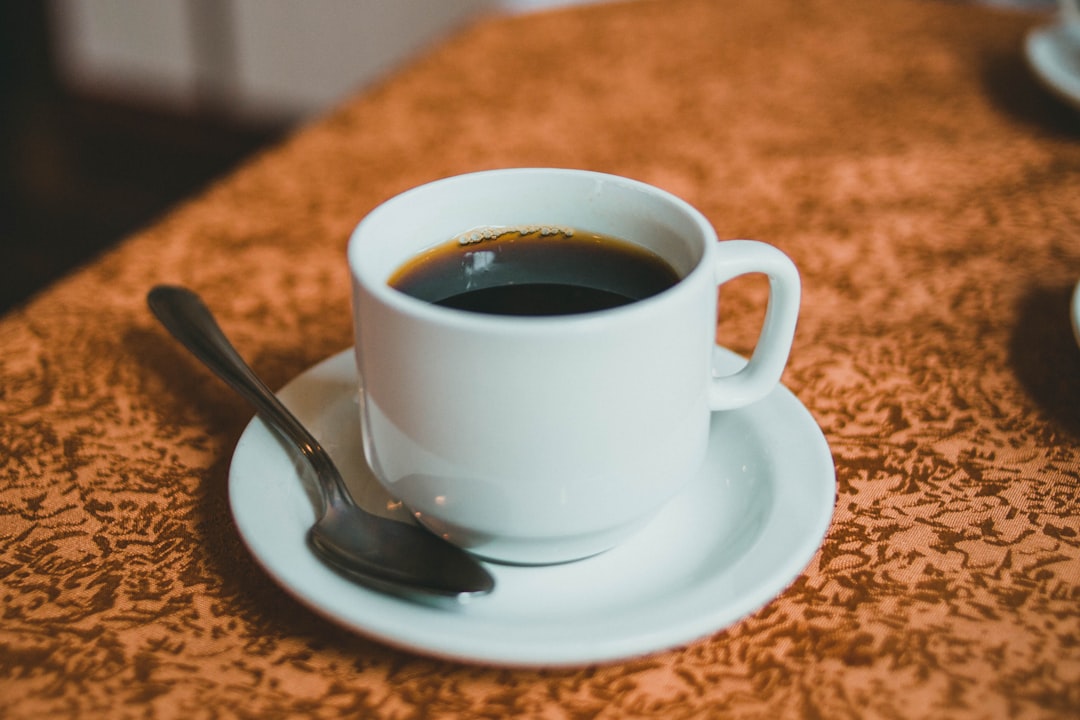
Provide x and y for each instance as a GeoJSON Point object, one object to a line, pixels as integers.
{"type": "Point", "coordinates": [184, 314]}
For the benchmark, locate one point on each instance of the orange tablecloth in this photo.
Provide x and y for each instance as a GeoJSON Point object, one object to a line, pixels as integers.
{"type": "Point", "coordinates": [899, 151]}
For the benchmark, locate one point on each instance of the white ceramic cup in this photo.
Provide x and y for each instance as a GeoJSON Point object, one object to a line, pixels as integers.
{"type": "Point", "coordinates": [546, 439]}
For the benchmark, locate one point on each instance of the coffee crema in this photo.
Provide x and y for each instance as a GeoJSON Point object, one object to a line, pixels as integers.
{"type": "Point", "coordinates": [534, 271]}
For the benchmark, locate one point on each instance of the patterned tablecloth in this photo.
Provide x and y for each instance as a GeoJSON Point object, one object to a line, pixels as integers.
{"type": "Point", "coordinates": [901, 152]}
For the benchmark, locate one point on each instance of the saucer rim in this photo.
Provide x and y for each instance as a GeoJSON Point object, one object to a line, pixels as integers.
{"type": "Point", "coordinates": [1042, 48]}
{"type": "Point", "coordinates": [441, 629]}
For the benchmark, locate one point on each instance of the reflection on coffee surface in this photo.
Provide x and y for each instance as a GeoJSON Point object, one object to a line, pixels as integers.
{"type": "Point", "coordinates": [534, 270]}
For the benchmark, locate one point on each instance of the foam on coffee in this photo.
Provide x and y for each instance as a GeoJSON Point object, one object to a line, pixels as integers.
{"type": "Point", "coordinates": [494, 232]}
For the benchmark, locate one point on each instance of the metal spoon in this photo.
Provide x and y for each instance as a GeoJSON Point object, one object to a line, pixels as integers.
{"type": "Point", "coordinates": [385, 554]}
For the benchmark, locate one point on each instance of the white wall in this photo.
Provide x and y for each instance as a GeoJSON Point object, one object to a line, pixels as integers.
{"type": "Point", "coordinates": [256, 60]}
{"type": "Point", "coordinates": [128, 47]}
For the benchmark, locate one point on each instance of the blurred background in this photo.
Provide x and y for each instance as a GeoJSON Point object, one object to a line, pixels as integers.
{"type": "Point", "coordinates": [111, 111]}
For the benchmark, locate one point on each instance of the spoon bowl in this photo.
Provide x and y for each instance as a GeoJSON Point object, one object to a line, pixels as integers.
{"type": "Point", "coordinates": [383, 554]}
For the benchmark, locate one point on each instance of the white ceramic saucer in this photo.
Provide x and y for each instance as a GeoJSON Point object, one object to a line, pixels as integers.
{"type": "Point", "coordinates": [1075, 312]}
{"type": "Point", "coordinates": [735, 538]}
{"type": "Point", "coordinates": [1054, 55]}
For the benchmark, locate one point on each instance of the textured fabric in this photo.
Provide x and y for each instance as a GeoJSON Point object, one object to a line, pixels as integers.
{"type": "Point", "coordinates": [899, 151]}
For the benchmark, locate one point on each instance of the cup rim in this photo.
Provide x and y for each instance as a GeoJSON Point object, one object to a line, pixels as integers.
{"type": "Point", "coordinates": [377, 286]}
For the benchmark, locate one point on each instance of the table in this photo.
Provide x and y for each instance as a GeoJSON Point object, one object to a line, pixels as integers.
{"type": "Point", "coordinates": [899, 151]}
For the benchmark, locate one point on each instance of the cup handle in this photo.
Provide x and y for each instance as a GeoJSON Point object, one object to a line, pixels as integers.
{"type": "Point", "coordinates": [762, 373]}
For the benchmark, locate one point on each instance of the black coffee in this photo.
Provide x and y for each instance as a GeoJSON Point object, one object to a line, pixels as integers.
{"type": "Point", "coordinates": [534, 271]}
